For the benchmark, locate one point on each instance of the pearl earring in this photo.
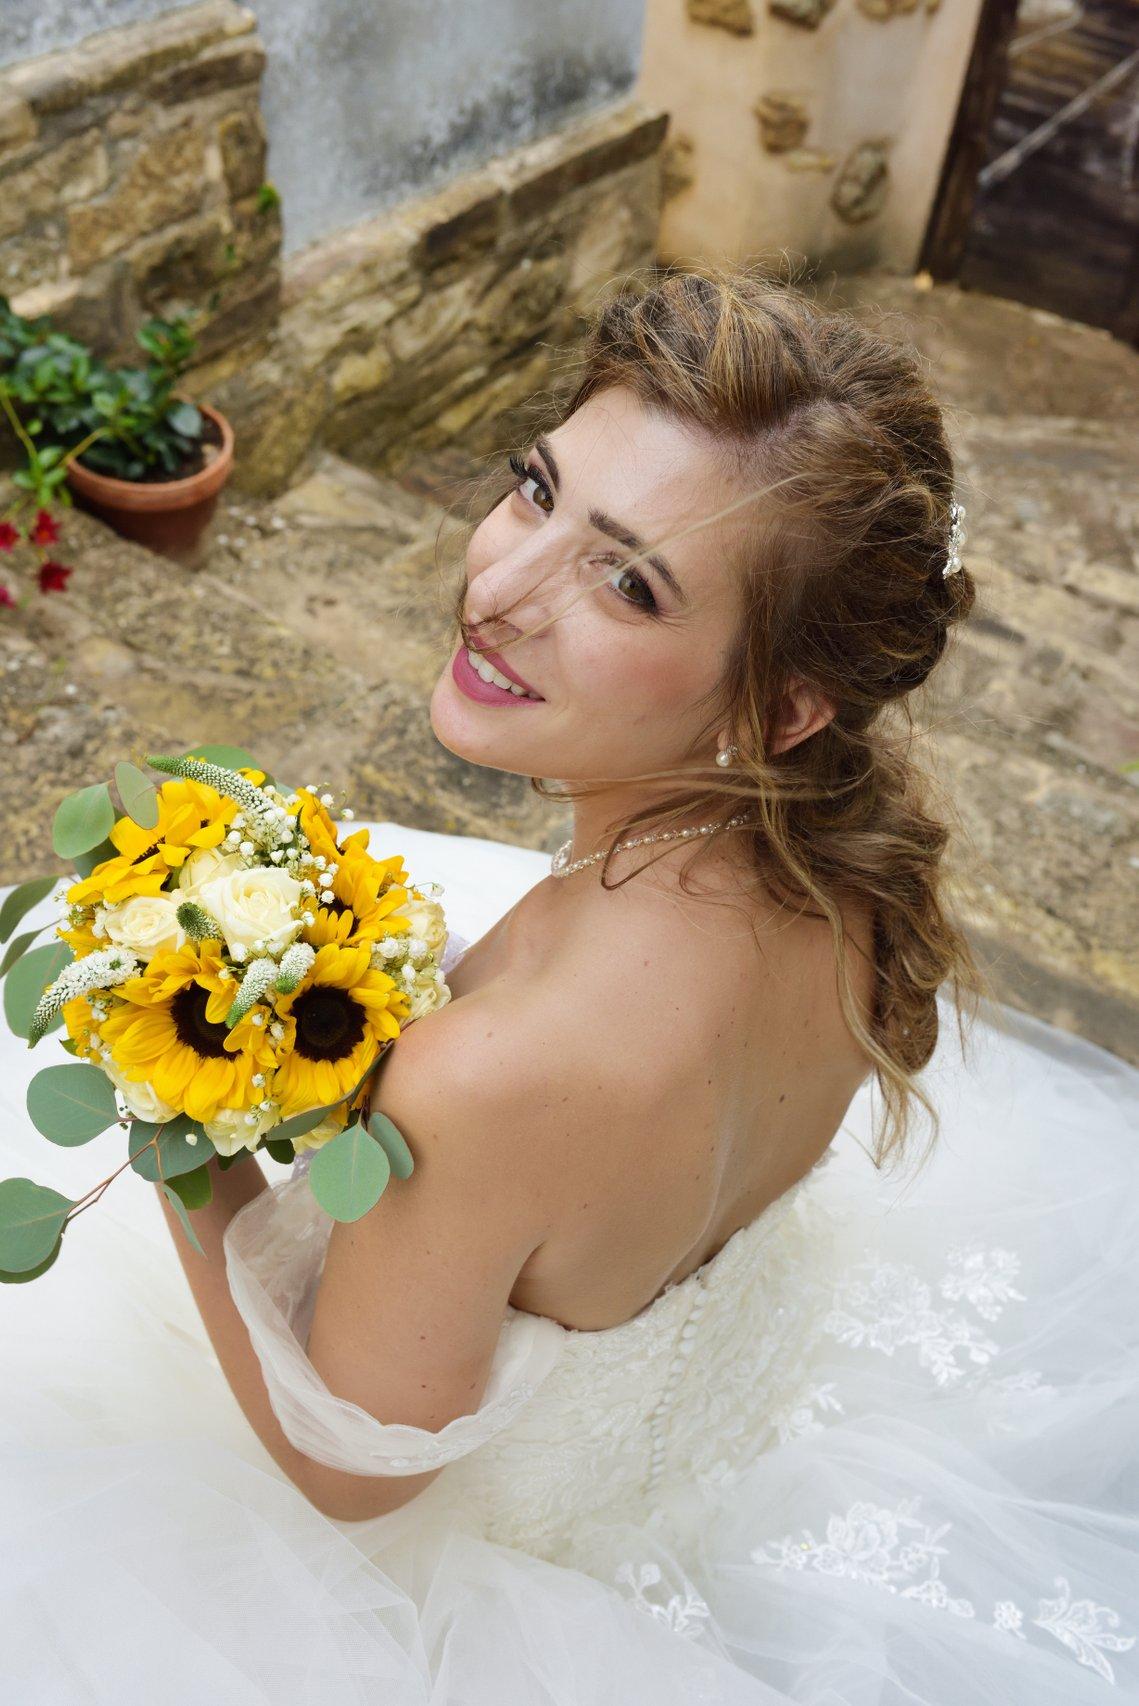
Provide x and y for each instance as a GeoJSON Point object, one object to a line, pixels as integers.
{"type": "Point", "coordinates": [726, 754]}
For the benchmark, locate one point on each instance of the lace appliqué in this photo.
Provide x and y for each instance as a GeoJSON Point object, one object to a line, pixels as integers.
{"type": "Point", "coordinates": [889, 1547]}
{"type": "Point", "coordinates": [684, 1613]}
{"type": "Point", "coordinates": [885, 1306]}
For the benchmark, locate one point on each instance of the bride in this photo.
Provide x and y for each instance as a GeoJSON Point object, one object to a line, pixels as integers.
{"type": "Point", "coordinates": [758, 1322]}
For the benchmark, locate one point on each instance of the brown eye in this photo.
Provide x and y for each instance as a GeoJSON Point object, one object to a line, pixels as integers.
{"type": "Point", "coordinates": [526, 473]}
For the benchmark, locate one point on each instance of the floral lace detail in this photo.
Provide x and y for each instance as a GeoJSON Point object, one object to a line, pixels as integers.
{"type": "Point", "coordinates": [684, 1613]}
{"type": "Point", "coordinates": [797, 1419]}
{"type": "Point", "coordinates": [870, 1543]}
{"type": "Point", "coordinates": [885, 1306]}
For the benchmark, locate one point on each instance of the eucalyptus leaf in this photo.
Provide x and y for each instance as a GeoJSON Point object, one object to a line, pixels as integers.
{"type": "Point", "coordinates": [7, 1278]}
{"type": "Point", "coordinates": [138, 794]}
{"type": "Point", "coordinates": [17, 946]}
{"type": "Point", "coordinates": [26, 982]}
{"type": "Point", "coordinates": [82, 820]}
{"type": "Point", "coordinates": [21, 900]}
{"type": "Point", "coordinates": [194, 1189]}
{"type": "Point", "coordinates": [393, 1144]}
{"type": "Point", "coordinates": [173, 1155]}
{"type": "Point", "coordinates": [281, 1150]}
{"type": "Point", "coordinates": [31, 1223]}
{"type": "Point", "coordinates": [179, 1208]}
{"type": "Point", "coordinates": [72, 1103]}
{"type": "Point", "coordinates": [87, 862]}
{"type": "Point", "coordinates": [349, 1174]}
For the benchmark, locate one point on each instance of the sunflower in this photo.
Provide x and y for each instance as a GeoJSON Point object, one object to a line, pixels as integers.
{"type": "Point", "coordinates": [82, 1027]}
{"type": "Point", "coordinates": [190, 815]}
{"type": "Point", "coordinates": [169, 1029]}
{"type": "Point", "coordinates": [365, 900]}
{"type": "Point", "coordinates": [334, 1023]}
{"type": "Point", "coordinates": [316, 825]}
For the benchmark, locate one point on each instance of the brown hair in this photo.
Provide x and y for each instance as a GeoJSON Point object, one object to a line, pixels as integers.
{"type": "Point", "coordinates": [836, 431]}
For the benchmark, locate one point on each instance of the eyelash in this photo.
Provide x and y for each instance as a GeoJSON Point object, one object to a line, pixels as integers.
{"type": "Point", "coordinates": [526, 472]}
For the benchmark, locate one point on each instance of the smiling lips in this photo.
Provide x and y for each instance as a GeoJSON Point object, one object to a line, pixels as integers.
{"type": "Point", "coordinates": [484, 677]}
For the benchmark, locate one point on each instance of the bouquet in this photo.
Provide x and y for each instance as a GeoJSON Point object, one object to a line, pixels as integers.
{"type": "Point", "coordinates": [228, 974]}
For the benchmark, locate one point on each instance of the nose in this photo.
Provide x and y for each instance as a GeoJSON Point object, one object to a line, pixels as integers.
{"type": "Point", "coordinates": [519, 582]}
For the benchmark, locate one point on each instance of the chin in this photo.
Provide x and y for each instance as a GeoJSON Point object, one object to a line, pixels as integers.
{"type": "Point", "coordinates": [476, 732]}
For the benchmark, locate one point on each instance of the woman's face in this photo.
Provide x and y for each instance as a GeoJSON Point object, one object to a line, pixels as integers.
{"type": "Point", "coordinates": [624, 654]}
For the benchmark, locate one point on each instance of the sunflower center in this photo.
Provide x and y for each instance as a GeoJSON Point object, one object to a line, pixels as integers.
{"type": "Point", "coordinates": [150, 852]}
{"type": "Point", "coordinates": [205, 1036]}
{"type": "Point", "coordinates": [329, 1023]}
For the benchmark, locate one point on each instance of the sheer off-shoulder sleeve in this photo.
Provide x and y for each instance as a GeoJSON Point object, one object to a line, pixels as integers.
{"type": "Point", "coordinates": [274, 1252]}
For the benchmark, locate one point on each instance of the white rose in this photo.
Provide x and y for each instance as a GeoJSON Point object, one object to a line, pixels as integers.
{"type": "Point", "coordinates": [254, 905]}
{"type": "Point", "coordinates": [231, 1131]}
{"type": "Point", "coordinates": [426, 920]}
{"type": "Point", "coordinates": [203, 865]}
{"type": "Point", "coordinates": [144, 923]}
{"type": "Point", "coordinates": [141, 1100]}
{"type": "Point", "coordinates": [318, 1135]}
{"type": "Point", "coordinates": [426, 995]}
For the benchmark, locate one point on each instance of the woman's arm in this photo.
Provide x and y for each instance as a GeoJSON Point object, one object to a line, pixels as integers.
{"type": "Point", "coordinates": [325, 1488]}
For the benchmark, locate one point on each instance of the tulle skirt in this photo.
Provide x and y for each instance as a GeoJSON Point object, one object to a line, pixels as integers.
{"type": "Point", "coordinates": [948, 1515]}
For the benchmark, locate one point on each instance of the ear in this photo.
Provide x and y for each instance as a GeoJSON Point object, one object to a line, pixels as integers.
{"type": "Point", "coordinates": [805, 711]}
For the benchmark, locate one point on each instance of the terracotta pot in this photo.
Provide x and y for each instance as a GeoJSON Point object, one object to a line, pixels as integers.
{"type": "Point", "coordinates": [168, 516]}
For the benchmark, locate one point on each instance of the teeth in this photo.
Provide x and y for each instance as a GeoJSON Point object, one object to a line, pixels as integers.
{"type": "Point", "coordinates": [488, 673]}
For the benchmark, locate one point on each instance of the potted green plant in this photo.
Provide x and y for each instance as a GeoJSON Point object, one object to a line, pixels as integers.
{"type": "Point", "coordinates": [132, 451]}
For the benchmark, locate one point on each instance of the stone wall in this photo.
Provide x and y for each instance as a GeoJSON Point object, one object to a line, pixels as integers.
{"type": "Point", "coordinates": [432, 324]}
{"type": "Point", "coordinates": [131, 174]}
{"type": "Point", "coordinates": [812, 127]}
{"type": "Point", "coordinates": [132, 183]}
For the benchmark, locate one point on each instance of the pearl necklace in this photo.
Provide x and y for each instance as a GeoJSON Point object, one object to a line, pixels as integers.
{"type": "Point", "coordinates": [559, 867]}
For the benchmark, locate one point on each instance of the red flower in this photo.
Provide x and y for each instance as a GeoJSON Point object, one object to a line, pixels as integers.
{"type": "Point", "coordinates": [45, 530]}
{"type": "Point", "coordinates": [53, 576]}
{"type": "Point", "coordinates": [7, 602]}
{"type": "Point", "coordinates": [9, 536]}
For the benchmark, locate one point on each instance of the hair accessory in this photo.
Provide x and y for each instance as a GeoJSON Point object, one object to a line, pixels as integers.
{"type": "Point", "coordinates": [958, 534]}
{"type": "Point", "coordinates": [726, 754]}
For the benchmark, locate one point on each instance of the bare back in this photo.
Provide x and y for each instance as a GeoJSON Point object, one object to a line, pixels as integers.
{"type": "Point", "coordinates": [735, 1061]}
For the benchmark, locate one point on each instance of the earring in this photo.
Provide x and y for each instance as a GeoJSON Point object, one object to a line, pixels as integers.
{"type": "Point", "coordinates": [726, 754]}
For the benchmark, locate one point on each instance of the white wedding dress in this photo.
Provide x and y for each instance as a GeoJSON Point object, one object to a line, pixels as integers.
{"type": "Point", "coordinates": [880, 1449]}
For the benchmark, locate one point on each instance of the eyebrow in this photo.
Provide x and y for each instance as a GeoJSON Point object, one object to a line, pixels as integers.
{"type": "Point", "coordinates": [615, 529]}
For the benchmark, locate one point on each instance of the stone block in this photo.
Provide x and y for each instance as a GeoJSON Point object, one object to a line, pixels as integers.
{"type": "Point", "coordinates": [807, 14]}
{"type": "Point", "coordinates": [809, 160]}
{"type": "Point", "coordinates": [230, 65]}
{"type": "Point", "coordinates": [241, 136]}
{"type": "Point", "coordinates": [55, 178]}
{"type": "Point", "coordinates": [735, 16]}
{"type": "Point", "coordinates": [112, 59]}
{"type": "Point", "coordinates": [537, 176]}
{"type": "Point", "coordinates": [783, 121]}
{"type": "Point", "coordinates": [17, 121]}
{"type": "Point", "coordinates": [31, 258]}
{"type": "Point", "coordinates": [861, 186]}
{"type": "Point", "coordinates": [458, 222]}
{"type": "Point", "coordinates": [678, 171]}
{"type": "Point", "coordinates": [162, 182]}
{"type": "Point", "coordinates": [181, 261]}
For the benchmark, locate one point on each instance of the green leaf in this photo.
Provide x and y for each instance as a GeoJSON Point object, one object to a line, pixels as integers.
{"type": "Point", "coordinates": [300, 1123]}
{"type": "Point", "coordinates": [31, 1223]}
{"type": "Point", "coordinates": [7, 1278]}
{"type": "Point", "coordinates": [138, 794]}
{"type": "Point", "coordinates": [16, 947]}
{"type": "Point", "coordinates": [21, 900]}
{"type": "Point", "coordinates": [195, 1189]}
{"type": "Point", "coordinates": [82, 820]}
{"type": "Point", "coordinates": [85, 863]}
{"type": "Point", "coordinates": [26, 982]}
{"type": "Point", "coordinates": [180, 1209]}
{"type": "Point", "coordinates": [393, 1144]}
{"type": "Point", "coordinates": [69, 1045]}
{"type": "Point", "coordinates": [72, 1103]}
{"type": "Point", "coordinates": [349, 1174]}
{"type": "Point", "coordinates": [280, 1151]}
{"type": "Point", "coordinates": [187, 420]}
{"type": "Point", "coordinates": [174, 1155]}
